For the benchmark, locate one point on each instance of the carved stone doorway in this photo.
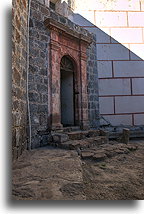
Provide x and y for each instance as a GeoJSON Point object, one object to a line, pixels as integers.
{"type": "Point", "coordinates": [68, 62]}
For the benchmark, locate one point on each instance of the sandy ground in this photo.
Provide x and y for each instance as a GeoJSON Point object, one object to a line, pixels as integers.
{"type": "Point", "coordinates": [56, 174]}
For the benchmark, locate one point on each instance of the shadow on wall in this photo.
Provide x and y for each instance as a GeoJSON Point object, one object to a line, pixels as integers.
{"type": "Point", "coordinates": [120, 73]}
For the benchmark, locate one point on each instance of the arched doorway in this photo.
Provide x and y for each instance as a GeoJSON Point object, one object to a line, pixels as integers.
{"type": "Point", "coordinates": [67, 92]}
{"type": "Point", "coordinates": [64, 40]}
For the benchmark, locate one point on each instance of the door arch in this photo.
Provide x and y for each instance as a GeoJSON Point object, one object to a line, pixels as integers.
{"type": "Point", "coordinates": [67, 94]}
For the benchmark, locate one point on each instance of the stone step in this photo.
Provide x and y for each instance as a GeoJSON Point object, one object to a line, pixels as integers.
{"type": "Point", "coordinates": [78, 140]}
{"type": "Point", "coordinates": [59, 137]}
{"type": "Point", "coordinates": [78, 135]}
{"type": "Point", "coordinates": [83, 143]}
{"type": "Point", "coordinates": [107, 151]}
{"type": "Point", "coordinates": [93, 155]}
{"type": "Point", "coordinates": [96, 148]}
{"type": "Point", "coordinates": [71, 128]}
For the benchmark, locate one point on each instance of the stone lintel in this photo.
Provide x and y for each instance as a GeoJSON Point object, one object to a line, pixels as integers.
{"type": "Point", "coordinates": [75, 32]}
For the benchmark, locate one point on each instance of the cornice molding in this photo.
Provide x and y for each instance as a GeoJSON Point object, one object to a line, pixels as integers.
{"type": "Point", "coordinates": [54, 25]}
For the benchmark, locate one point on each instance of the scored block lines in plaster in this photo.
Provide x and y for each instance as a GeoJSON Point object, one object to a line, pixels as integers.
{"type": "Point", "coordinates": [136, 19]}
{"type": "Point", "coordinates": [125, 119]}
{"type": "Point", "coordinates": [111, 5]}
{"type": "Point", "coordinates": [138, 119]}
{"type": "Point", "coordinates": [106, 105]}
{"type": "Point", "coordinates": [128, 68]}
{"type": "Point", "coordinates": [119, 32]}
{"type": "Point", "coordinates": [113, 87]}
{"type": "Point", "coordinates": [110, 19]}
{"type": "Point", "coordinates": [129, 104]}
{"type": "Point", "coordinates": [117, 120]}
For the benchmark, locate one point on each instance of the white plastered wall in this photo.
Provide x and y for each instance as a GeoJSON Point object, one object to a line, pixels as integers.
{"type": "Point", "coordinates": [119, 28]}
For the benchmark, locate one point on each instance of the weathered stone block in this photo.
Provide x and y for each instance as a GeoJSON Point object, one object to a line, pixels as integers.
{"type": "Point", "coordinates": [112, 52]}
{"type": "Point", "coordinates": [16, 77]}
{"type": "Point", "coordinates": [86, 154]}
{"type": "Point", "coordinates": [128, 69]}
{"type": "Point", "coordinates": [34, 52]}
{"type": "Point", "coordinates": [111, 19]}
{"type": "Point", "coordinates": [44, 71]}
{"type": "Point", "coordinates": [33, 69]}
{"type": "Point", "coordinates": [35, 119]}
{"type": "Point", "coordinates": [138, 119]}
{"type": "Point", "coordinates": [36, 141]}
{"type": "Point", "coordinates": [44, 10]}
{"type": "Point", "coordinates": [60, 138]}
{"type": "Point", "coordinates": [45, 140]}
{"type": "Point", "coordinates": [104, 69]}
{"type": "Point", "coordinates": [42, 108]}
{"type": "Point", "coordinates": [106, 105]}
{"type": "Point", "coordinates": [136, 19]}
{"type": "Point", "coordinates": [54, 15]}
{"type": "Point", "coordinates": [114, 87]}
{"type": "Point", "coordinates": [39, 25]}
{"type": "Point", "coordinates": [42, 88]}
{"type": "Point", "coordinates": [118, 5]}
{"type": "Point", "coordinates": [34, 97]}
{"type": "Point", "coordinates": [38, 78]}
{"type": "Point", "coordinates": [129, 104]}
{"type": "Point", "coordinates": [34, 33]}
{"type": "Point", "coordinates": [125, 136]}
{"type": "Point", "coordinates": [36, 14]}
{"type": "Point", "coordinates": [138, 85]}
{"type": "Point", "coordinates": [116, 120]}
{"type": "Point", "coordinates": [127, 35]}
{"type": "Point", "coordinates": [43, 118]}
{"type": "Point", "coordinates": [99, 156]}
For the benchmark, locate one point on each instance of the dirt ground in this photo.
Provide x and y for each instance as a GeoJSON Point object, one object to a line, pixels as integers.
{"type": "Point", "coordinates": [56, 174]}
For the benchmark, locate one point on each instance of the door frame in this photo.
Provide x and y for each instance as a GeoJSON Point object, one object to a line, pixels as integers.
{"type": "Point", "coordinates": [72, 73]}
{"type": "Point", "coordinates": [64, 42]}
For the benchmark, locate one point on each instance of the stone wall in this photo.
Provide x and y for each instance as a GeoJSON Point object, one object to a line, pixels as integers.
{"type": "Point", "coordinates": [92, 76]}
{"type": "Point", "coordinates": [19, 66]}
{"type": "Point", "coordinates": [38, 73]}
{"type": "Point", "coordinates": [38, 77]}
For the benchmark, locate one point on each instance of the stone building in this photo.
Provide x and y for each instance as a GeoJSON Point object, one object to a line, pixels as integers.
{"type": "Point", "coordinates": [74, 64]}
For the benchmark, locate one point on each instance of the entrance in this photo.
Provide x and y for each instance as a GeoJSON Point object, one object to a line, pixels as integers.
{"type": "Point", "coordinates": [67, 92]}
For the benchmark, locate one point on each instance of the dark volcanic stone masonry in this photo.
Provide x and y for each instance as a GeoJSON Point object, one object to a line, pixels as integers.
{"type": "Point", "coordinates": [92, 75]}
{"type": "Point", "coordinates": [19, 77]}
{"type": "Point", "coordinates": [38, 72]}
{"type": "Point", "coordinates": [37, 79]}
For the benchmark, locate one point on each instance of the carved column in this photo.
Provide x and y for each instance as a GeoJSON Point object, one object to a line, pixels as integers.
{"type": "Point", "coordinates": [55, 81]}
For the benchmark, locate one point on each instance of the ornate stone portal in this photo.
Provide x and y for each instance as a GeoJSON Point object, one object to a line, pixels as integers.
{"type": "Point", "coordinates": [71, 43]}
